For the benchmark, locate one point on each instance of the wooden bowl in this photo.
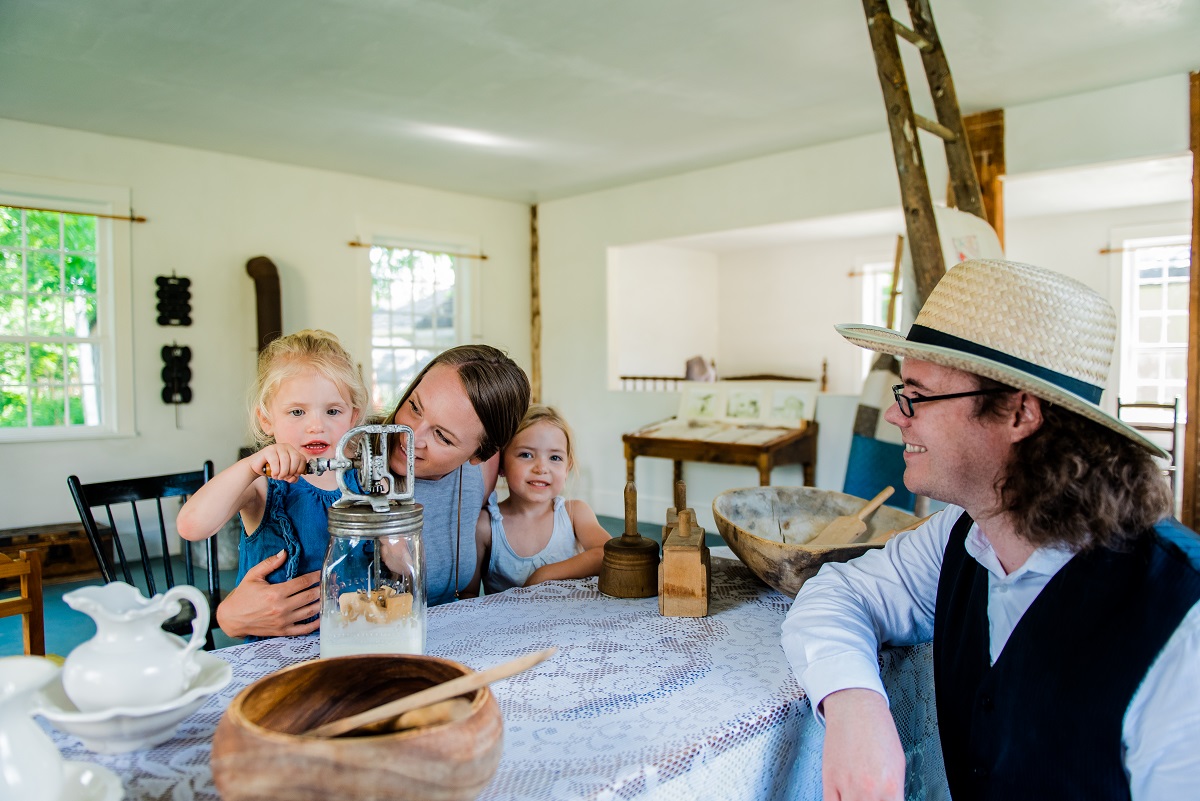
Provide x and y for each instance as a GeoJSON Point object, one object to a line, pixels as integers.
{"type": "Point", "coordinates": [767, 526]}
{"type": "Point", "coordinates": [260, 752]}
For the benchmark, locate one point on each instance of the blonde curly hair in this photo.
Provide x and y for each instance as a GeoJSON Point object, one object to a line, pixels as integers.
{"type": "Point", "coordinates": [291, 355]}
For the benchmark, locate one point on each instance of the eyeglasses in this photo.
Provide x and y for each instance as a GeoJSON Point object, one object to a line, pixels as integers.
{"type": "Point", "coordinates": [906, 403]}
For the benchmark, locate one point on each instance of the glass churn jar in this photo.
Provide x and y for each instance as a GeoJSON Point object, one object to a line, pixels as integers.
{"type": "Point", "coordinates": [373, 581]}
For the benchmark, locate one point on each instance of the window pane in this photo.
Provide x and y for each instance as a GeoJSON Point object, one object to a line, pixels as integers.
{"type": "Point", "coordinates": [50, 270]}
{"type": "Point", "coordinates": [1176, 366]}
{"type": "Point", "coordinates": [10, 227]}
{"type": "Point", "coordinates": [86, 400]}
{"type": "Point", "coordinates": [1148, 366]}
{"type": "Point", "coordinates": [1147, 394]}
{"type": "Point", "coordinates": [45, 272]}
{"type": "Point", "coordinates": [82, 363]}
{"type": "Point", "coordinates": [1177, 329]}
{"type": "Point", "coordinates": [47, 406]}
{"type": "Point", "coordinates": [81, 316]}
{"type": "Point", "coordinates": [12, 278]}
{"type": "Point", "coordinates": [46, 314]}
{"type": "Point", "coordinates": [81, 274]}
{"type": "Point", "coordinates": [1150, 297]}
{"type": "Point", "coordinates": [1177, 296]}
{"type": "Point", "coordinates": [14, 407]}
{"type": "Point", "coordinates": [82, 406]}
{"type": "Point", "coordinates": [412, 317]}
{"type": "Point", "coordinates": [41, 229]}
{"type": "Point", "coordinates": [12, 315]}
{"type": "Point", "coordinates": [46, 360]}
{"type": "Point", "coordinates": [12, 363]}
{"type": "Point", "coordinates": [1150, 330]}
{"type": "Point", "coordinates": [80, 232]}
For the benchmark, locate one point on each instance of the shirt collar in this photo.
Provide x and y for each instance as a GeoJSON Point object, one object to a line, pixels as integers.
{"type": "Point", "coordinates": [1045, 561]}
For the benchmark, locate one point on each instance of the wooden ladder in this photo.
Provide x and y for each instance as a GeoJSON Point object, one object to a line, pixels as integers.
{"type": "Point", "coordinates": [924, 243]}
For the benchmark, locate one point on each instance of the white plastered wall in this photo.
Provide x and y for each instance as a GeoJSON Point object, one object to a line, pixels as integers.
{"type": "Point", "coordinates": [1138, 121]}
{"type": "Point", "coordinates": [668, 295]}
{"type": "Point", "coordinates": [208, 213]}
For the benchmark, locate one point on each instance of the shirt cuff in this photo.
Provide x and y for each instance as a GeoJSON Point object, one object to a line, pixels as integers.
{"type": "Point", "coordinates": [842, 672]}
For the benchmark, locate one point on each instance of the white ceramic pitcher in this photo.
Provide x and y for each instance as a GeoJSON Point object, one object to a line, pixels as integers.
{"type": "Point", "coordinates": [31, 769]}
{"type": "Point", "coordinates": [132, 662]}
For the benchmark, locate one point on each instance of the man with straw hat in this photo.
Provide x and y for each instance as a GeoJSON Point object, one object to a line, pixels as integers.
{"type": "Point", "coordinates": [1061, 599]}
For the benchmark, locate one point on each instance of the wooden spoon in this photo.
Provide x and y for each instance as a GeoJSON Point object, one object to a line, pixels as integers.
{"type": "Point", "coordinates": [848, 528]}
{"type": "Point", "coordinates": [431, 695]}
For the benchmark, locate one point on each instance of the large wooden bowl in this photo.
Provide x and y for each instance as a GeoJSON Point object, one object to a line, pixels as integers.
{"type": "Point", "coordinates": [259, 752]}
{"type": "Point", "coordinates": [767, 526]}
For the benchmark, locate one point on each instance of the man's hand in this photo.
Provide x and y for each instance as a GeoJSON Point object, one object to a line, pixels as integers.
{"type": "Point", "coordinates": [863, 759]}
{"type": "Point", "coordinates": [261, 609]}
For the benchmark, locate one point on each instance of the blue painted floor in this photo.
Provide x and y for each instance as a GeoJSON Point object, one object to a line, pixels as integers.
{"type": "Point", "coordinates": [66, 628]}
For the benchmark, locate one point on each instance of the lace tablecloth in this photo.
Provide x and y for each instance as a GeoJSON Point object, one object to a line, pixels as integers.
{"type": "Point", "coordinates": [633, 705]}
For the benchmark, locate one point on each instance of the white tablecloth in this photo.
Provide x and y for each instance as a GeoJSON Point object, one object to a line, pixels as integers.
{"type": "Point", "coordinates": [633, 705]}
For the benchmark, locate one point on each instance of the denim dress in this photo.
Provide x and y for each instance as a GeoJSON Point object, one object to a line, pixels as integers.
{"type": "Point", "coordinates": [295, 520]}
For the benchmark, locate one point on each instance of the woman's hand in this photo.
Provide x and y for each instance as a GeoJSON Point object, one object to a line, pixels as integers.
{"type": "Point", "coordinates": [260, 609]}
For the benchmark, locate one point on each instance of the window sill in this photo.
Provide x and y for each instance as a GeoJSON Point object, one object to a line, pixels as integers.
{"type": "Point", "coordinates": [18, 436]}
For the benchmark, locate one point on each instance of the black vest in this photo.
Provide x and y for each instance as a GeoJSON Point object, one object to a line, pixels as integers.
{"type": "Point", "coordinates": [1044, 722]}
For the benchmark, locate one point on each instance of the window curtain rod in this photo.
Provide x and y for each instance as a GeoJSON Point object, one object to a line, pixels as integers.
{"type": "Point", "coordinates": [127, 217]}
{"type": "Point", "coordinates": [358, 243]}
{"type": "Point", "coordinates": [1106, 251]}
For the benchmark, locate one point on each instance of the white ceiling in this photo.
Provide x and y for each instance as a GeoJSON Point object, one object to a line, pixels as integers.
{"type": "Point", "coordinates": [537, 99]}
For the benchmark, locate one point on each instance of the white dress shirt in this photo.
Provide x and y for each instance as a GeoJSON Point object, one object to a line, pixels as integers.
{"type": "Point", "coordinates": [842, 615]}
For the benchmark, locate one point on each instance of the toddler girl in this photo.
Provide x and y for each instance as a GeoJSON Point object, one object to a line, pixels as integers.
{"type": "Point", "coordinates": [534, 534]}
{"type": "Point", "coordinates": [308, 394]}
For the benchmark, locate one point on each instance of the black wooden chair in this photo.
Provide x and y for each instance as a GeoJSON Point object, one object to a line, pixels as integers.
{"type": "Point", "coordinates": [146, 567]}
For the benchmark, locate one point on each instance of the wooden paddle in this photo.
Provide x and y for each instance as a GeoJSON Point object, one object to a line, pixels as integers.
{"type": "Point", "coordinates": [431, 695]}
{"type": "Point", "coordinates": [848, 528]}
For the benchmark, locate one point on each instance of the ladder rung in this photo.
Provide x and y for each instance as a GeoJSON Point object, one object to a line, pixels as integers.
{"type": "Point", "coordinates": [935, 128]}
{"type": "Point", "coordinates": [905, 32]}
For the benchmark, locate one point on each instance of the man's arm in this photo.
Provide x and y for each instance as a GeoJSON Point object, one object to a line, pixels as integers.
{"type": "Point", "coordinates": [832, 636]}
{"type": "Point", "coordinates": [1162, 723]}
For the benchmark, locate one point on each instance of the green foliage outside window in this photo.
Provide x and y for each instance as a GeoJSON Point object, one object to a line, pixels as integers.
{"type": "Point", "coordinates": [49, 353]}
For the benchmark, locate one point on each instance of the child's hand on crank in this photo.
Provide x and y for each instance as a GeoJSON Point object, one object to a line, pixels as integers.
{"type": "Point", "coordinates": [284, 462]}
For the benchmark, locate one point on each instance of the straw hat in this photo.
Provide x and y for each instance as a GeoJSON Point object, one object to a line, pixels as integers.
{"type": "Point", "coordinates": [1021, 325]}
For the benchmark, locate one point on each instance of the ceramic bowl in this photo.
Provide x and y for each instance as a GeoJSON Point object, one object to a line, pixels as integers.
{"type": "Point", "coordinates": [260, 750]}
{"type": "Point", "coordinates": [767, 528]}
{"type": "Point", "coordinates": [114, 731]}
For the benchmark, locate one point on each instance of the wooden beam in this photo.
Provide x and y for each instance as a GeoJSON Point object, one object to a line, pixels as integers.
{"type": "Point", "coordinates": [535, 310]}
{"type": "Point", "coordinates": [985, 133]}
{"type": "Point", "coordinates": [1190, 513]}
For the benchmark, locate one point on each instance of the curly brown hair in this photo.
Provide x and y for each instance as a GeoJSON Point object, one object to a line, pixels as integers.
{"type": "Point", "coordinates": [1076, 483]}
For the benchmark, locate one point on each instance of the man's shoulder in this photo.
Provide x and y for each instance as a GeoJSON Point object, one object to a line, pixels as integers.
{"type": "Point", "coordinates": [1180, 542]}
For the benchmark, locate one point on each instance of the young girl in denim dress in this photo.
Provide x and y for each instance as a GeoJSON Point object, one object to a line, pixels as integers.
{"type": "Point", "coordinates": [308, 394]}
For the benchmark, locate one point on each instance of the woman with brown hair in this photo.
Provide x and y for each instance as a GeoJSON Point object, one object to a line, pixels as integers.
{"type": "Point", "coordinates": [463, 407]}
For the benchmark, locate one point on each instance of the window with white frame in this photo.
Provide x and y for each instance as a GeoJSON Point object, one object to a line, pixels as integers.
{"type": "Point", "coordinates": [415, 309]}
{"type": "Point", "coordinates": [1157, 274]}
{"type": "Point", "coordinates": [876, 296]}
{"type": "Point", "coordinates": [64, 366]}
